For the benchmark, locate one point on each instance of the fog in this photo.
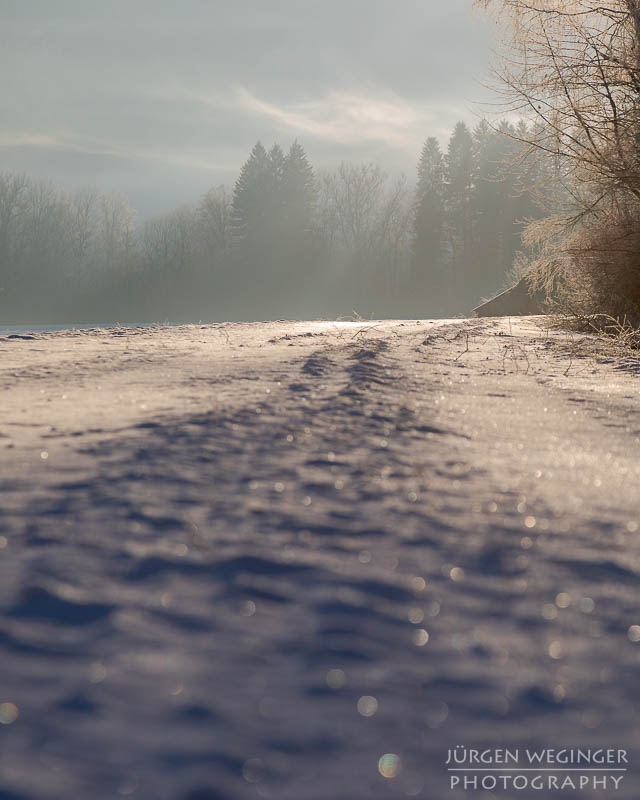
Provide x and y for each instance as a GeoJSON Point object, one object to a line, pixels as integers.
{"type": "Point", "coordinates": [161, 101]}
{"type": "Point", "coordinates": [126, 131]}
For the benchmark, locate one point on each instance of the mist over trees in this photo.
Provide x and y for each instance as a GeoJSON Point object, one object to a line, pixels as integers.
{"type": "Point", "coordinates": [286, 241]}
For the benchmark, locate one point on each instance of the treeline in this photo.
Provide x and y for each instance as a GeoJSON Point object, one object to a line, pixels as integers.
{"type": "Point", "coordinates": [470, 208]}
{"type": "Point", "coordinates": [285, 242]}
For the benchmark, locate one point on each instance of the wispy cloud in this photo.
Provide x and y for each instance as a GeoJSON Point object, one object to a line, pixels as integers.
{"type": "Point", "coordinates": [74, 143]}
{"type": "Point", "coordinates": [351, 119]}
{"type": "Point", "coordinates": [338, 118]}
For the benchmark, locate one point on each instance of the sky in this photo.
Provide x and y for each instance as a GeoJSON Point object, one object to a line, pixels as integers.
{"type": "Point", "coordinates": [162, 100]}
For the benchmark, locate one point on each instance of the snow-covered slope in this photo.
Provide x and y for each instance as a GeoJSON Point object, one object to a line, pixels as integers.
{"type": "Point", "coordinates": [287, 560]}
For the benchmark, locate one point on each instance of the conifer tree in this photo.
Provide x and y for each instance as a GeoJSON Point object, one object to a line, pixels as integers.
{"type": "Point", "coordinates": [300, 190]}
{"type": "Point", "coordinates": [488, 210]}
{"type": "Point", "coordinates": [252, 223]}
{"type": "Point", "coordinates": [429, 213]}
{"type": "Point", "coordinates": [274, 211]}
{"type": "Point", "coordinates": [276, 158]}
{"type": "Point", "coordinates": [300, 206]}
{"type": "Point", "coordinates": [251, 195]}
{"type": "Point", "coordinates": [459, 173]}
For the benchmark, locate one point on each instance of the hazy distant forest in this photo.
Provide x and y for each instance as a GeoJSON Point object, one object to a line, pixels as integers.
{"type": "Point", "coordinates": [286, 241]}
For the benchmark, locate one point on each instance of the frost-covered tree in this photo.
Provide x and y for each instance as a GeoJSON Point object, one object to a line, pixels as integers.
{"type": "Point", "coordinates": [572, 67]}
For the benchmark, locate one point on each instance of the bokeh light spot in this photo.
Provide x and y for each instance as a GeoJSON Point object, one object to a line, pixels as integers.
{"type": "Point", "coordinates": [634, 633]}
{"type": "Point", "coordinates": [389, 765]}
{"type": "Point", "coordinates": [248, 608]}
{"type": "Point", "coordinates": [8, 713]}
{"type": "Point", "coordinates": [556, 649]}
{"type": "Point", "coordinates": [336, 679]}
{"type": "Point", "coordinates": [587, 605]}
{"type": "Point", "coordinates": [416, 615]}
{"type": "Point", "coordinates": [367, 706]}
{"type": "Point", "coordinates": [420, 637]}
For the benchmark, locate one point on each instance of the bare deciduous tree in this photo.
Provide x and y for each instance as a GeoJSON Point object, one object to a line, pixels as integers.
{"type": "Point", "coordinates": [12, 206]}
{"type": "Point", "coordinates": [366, 219]}
{"type": "Point", "coordinates": [574, 67]}
{"type": "Point", "coordinates": [116, 231]}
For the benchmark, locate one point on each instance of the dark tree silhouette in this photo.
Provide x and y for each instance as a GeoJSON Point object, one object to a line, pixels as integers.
{"type": "Point", "coordinates": [459, 179]}
{"type": "Point", "coordinates": [429, 218]}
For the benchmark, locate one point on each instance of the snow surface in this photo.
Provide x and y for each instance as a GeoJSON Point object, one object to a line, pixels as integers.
{"type": "Point", "coordinates": [249, 560]}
